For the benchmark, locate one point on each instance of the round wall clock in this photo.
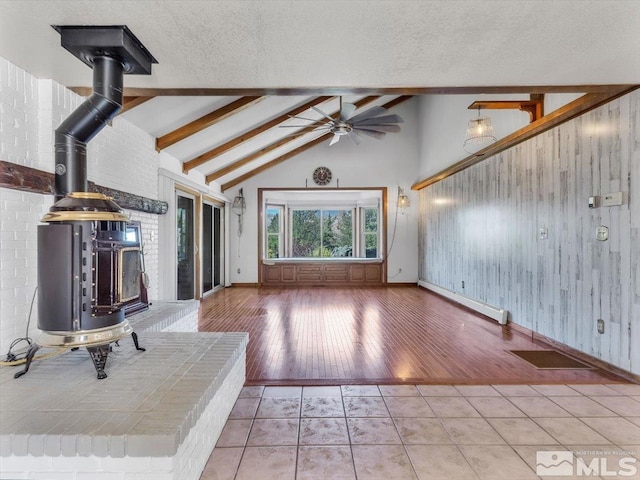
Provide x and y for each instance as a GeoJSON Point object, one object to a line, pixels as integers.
{"type": "Point", "coordinates": [322, 175]}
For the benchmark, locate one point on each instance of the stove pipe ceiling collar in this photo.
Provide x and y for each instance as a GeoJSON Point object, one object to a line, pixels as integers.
{"type": "Point", "coordinates": [111, 51]}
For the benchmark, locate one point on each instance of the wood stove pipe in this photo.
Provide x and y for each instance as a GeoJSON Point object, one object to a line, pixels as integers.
{"type": "Point", "coordinates": [72, 136]}
{"type": "Point", "coordinates": [111, 51]}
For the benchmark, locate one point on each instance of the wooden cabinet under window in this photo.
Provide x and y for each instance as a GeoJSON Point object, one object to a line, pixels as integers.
{"type": "Point", "coordinates": [315, 274]}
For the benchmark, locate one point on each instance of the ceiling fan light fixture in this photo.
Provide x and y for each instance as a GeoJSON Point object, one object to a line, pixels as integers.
{"type": "Point", "coordinates": [342, 128]}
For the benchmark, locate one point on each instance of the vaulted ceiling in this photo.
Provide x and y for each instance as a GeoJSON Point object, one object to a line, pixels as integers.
{"type": "Point", "coordinates": [230, 139]}
{"type": "Point", "coordinates": [231, 72]}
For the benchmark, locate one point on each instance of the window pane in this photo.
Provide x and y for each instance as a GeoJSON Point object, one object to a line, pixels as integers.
{"type": "Point", "coordinates": [370, 219]}
{"type": "Point", "coordinates": [338, 233]}
{"type": "Point", "coordinates": [273, 220]}
{"type": "Point", "coordinates": [371, 245]}
{"type": "Point", "coordinates": [305, 233]}
{"type": "Point", "coordinates": [273, 247]}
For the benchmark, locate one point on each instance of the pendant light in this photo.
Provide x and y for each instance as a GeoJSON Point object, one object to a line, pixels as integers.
{"type": "Point", "coordinates": [480, 133]}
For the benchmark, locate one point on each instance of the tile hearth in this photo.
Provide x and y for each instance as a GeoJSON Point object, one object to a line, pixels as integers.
{"type": "Point", "coordinates": [157, 415]}
{"type": "Point", "coordinates": [435, 432]}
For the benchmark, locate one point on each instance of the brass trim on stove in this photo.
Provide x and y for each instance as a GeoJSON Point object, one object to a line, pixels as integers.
{"type": "Point", "coordinates": [89, 195]}
{"type": "Point", "coordinates": [85, 338]}
{"type": "Point", "coordinates": [79, 216]}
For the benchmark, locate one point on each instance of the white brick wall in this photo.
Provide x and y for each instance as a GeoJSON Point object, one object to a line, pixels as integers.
{"type": "Point", "coordinates": [121, 156]}
{"type": "Point", "coordinates": [19, 119]}
{"type": "Point", "coordinates": [19, 216]}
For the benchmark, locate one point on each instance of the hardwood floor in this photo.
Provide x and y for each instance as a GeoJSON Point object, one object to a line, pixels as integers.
{"type": "Point", "coordinates": [322, 336]}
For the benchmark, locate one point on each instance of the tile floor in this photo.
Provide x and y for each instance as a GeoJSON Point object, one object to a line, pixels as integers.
{"type": "Point", "coordinates": [441, 432]}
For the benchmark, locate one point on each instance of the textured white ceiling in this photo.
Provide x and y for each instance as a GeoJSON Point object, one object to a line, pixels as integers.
{"type": "Point", "coordinates": [262, 43]}
{"type": "Point", "coordinates": [330, 43]}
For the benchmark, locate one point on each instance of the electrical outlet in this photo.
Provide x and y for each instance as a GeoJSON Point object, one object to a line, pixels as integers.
{"type": "Point", "coordinates": [602, 233]}
{"type": "Point", "coordinates": [238, 270]}
{"type": "Point", "coordinates": [462, 283]}
{"type": "Point", "coordinates": [600, 323]}
{"type": "Point", "coordinates": [543, 233]}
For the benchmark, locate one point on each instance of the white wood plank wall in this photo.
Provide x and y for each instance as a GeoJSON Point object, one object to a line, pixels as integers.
{"type": "Point", "coordinates": [481, 226]}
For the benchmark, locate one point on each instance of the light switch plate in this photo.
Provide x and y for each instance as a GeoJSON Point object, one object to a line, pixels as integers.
{"type": "Point", "coordinates": [612, 199]}
{"type": "Point", "coordinates": [602, 233]}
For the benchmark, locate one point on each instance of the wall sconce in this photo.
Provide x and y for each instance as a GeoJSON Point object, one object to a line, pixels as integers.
{"type": "Point", "coordinates": [403, 200]}
{"type": "Point", "coordinates": [238, 207]}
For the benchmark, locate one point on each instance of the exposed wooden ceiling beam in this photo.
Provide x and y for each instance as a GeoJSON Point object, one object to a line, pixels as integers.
{"type": "Point", "coordinates": [234, 142]}
{"type": "Point", "coordinates": [227, 169]}
{"type": "Point", "coordinates": [296, 151]}
{"type": "Point", "coordinates": [333, 91]}
{"type": "Point", "coordinates": [563, 114]}
{"type": "Point", "coordinates": [205, 121]}
{"type": "Point", "coordinates": [129, 103]}
{"type": "Point", "coordinates": [396, 101]}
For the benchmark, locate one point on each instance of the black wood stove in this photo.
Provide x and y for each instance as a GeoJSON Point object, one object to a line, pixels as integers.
{"type": "Point", "coordinates": [85, 260]}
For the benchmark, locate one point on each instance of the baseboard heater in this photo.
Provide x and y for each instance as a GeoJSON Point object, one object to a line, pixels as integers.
{"type": "Point", "coordinates": [498, 314]}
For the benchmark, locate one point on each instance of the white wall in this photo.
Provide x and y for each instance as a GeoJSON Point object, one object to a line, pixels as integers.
{"type": "Point", "coordinates": [121, 156]}
{"type": "Point", "coordinates": [481, 226]}
{"type": "Point", "coordinates": [390, 162]}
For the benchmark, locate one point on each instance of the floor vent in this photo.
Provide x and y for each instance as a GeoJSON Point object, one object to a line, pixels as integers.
{"type": "Point", "coordinates": [549, 359]}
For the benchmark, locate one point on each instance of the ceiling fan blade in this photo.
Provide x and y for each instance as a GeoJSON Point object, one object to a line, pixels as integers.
{"type": "Point", "coordinates": [303, 118]}
{"type": "Point", "coordinates": [372, 112]}
{"type": "Point", "coordinates": [296, 134]}
{"type": "Point", "coordinates": [298, 126]}
{"type": "Point", "coordinates": [353, 135]}
{"type": "Point", "coordinates": [323, 114]}
{"type": "Point", "coordinates": [347, 111]}
{"type": "Point", "coordinates": [305, 131]}
{"type": "Point", "coordinates": [378, 128]}
{"type": "Point", "coordinates": [334, 140]}
{"type": "Point", "coordinates": [371, 133]}
{"type": "Point", "coordinates": [380, 120]}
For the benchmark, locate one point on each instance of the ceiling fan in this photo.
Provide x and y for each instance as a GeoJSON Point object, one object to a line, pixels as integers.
{"type": "Point", "coordinates": [374, 122]}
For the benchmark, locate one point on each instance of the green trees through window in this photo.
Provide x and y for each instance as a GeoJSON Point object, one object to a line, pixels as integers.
{"type": "Point", "coordinates": [370, 232]}
{"type": "Point", "coordinates": [333, 232]}
{"type": "Point", "coordinates": [274, 239]}
{"type": "Point", "coordinates": [322, 233]}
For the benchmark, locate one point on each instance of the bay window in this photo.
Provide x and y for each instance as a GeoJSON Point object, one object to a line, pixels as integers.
{"type": "Point", "coordinates": [322, 225]}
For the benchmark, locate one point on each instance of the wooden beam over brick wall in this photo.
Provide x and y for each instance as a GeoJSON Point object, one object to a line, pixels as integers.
{"type": "Point", "coordinates": [32, 180]}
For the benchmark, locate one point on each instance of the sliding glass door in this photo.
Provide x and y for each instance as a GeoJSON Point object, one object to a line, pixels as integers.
{"type": "Point", "coordinates": [185, 236]}
{"type": "Point", "coordinates": [212, 247]}
{"type": "Point", "coordinates": [218, 247]}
